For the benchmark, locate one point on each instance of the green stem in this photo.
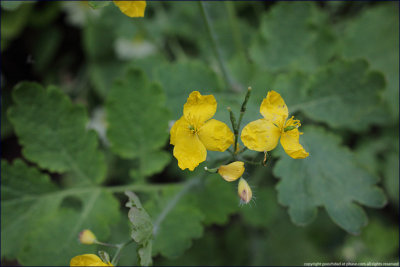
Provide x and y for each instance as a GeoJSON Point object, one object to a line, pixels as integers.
{"type": "Point", "coordinates": [106, 244]}
{"type": "Point", "coordinates": [142, 187]}
{"type": "Point", "coordinates": [120, 247]}
{"type": "Point", "coordinates": [235, 28]}
{"type": "Point", "coordinates": [173, 202]}
{"type": "Point", "coordinates": [215, 47]}
{"type": "Point", "coordinates": [242, 111]}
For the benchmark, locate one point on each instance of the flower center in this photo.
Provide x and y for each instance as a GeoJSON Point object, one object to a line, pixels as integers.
{"type": "Point", "coordinates": [192, 129]}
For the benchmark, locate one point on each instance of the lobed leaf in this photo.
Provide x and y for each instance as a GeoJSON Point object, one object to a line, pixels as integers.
{"type": "Point", "coordinates": [329, 177]}
{"type": "Point", "coordinates": [34, 211]}
{"type": "Point", "coordinates": [142, 228]}
{"type": "Point", "coordinates": [297, 41]}
{"type": "Point", "coordinates": [362, 37]}
{"type": "Point", "coordinates": [176, 222]}
{"type": "Point", "coordinates": [345, 94]}
{"type": "Point", "coordinates": [53, 133]}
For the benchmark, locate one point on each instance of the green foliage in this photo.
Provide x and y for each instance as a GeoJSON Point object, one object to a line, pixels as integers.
{"type": "Point", "coordinates": [193, 76]}
{"type": "Point", "coordinates": [335, 65]}
{"type": "Point", "coordinates": [40, 219]}
{"type": "Point", "coordinates": [374, 35]}
{"type": "Point", "coordinates": [134, 94]}
{"type": "Point", "coordinates": [327, 178]}
{"type": "Point", "coordinates": [297, 41]}
{"type": "Point", "coordinates": [345, 94]}
{"type": "Point", "coordinates": [175, 222]}
{"type": "Point", "coordinates": [53, 133]}
{"type": "Point", "coordinates": [216, 199]}
{"type": "Point", "coordinates": [142, 228]}
{"type": "Point", "coordinates": [98, 4]}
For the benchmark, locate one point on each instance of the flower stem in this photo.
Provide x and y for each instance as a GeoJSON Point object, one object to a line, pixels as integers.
{"type": "Point", "coordinates": [242, 111]}
{"type": "Point", "coordinates": [120, 247]}
{"type": "Point", "coordinates": [214, 44]}
{"type": "Point", "coordinates": [106, 244]}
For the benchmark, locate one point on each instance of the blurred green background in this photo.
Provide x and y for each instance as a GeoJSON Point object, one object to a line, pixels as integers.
{"type": "Point", "coordinates": [336, 64]}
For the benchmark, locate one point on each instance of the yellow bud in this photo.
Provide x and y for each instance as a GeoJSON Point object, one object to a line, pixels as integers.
{"type": "Point", "coordinates": [88, 260]}
{"type": "Point", "coordinates": [232, 171]}
{"type": "Point", "coordinates": [87, 237]}
{"type": "Point", "coordinates": [244, 191]}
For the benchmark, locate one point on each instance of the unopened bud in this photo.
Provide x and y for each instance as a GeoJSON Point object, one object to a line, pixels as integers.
{"type": "Point", "coordinates": [244, 191]}
{"type": "Point", "coordinates": [87, 237]}
{"type": "Point", "coordinates": [232, 171]}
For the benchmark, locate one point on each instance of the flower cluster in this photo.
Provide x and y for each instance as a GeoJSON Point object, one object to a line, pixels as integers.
{"type": "Point", "coordinates": [196, 132]}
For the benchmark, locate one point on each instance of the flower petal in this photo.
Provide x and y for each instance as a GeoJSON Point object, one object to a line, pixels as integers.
{"type": "Point", "coordinates": [232, 171]}
{"type": "Point", "coordinates": [199, 108]}
{"type": "Point", "coordinates": [290, 142]}
{"type": "Point", "coordinates": [216, 135]}
{"type": "Point", "coordinates": [188, 150]}
{"type": "Point", "coordinates": [132, 8]}
{"type": "Point", "coordinates": [88, 260]}
{"type": "Point", "coordinates": [273, 108]}
{"type": "Point", "coordinates": [182, 122]}
{"type": "Point", "coordinates": [260, 135]}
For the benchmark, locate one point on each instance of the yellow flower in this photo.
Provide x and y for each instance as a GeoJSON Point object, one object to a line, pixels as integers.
{"type": "Point", "coordinates": [87, 237]}
{"type": "Point", "coordinates": [132, 8]}
{"type": "Point", "coordinates": [244, 191]}
{"type": "Point", "coordinates": [88, 260]}
{"type": "Point", "coordinates": [195, 132]}
{"type": "Point", "coordinates": [263, 134]}
{"type": "Point", "coordinates": [232, 171]}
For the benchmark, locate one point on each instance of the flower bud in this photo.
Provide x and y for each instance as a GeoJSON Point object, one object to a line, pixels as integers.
{"type": "Point", "coordinates": [87, 237]}
{"type": "Point", "coordinates": [244, 191]}
{"type": "Point", "coordinates": [232, 171]}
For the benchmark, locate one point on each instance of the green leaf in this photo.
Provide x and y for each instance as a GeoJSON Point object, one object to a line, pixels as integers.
{"type": "Point", "coordinates": [176, 222]}
{"type": "Point", "coordinates": [297, 41]}
{"type": "Point", "coordinates": [264, 211]}
{"type": "Point", "coordinates": [150, 163]}
{"type": "Point", "coordinates": [137, 116]}
{"type": "Point", "coordinates": [216, 199]}
{"type": "Point", "coordinates": [377, 243]}
{"type": "Point", "coordinates": [41, 223]}
{"type": "Point", "coordinates": [391, 176]}
{"type": "Point", "coordinates": [53, 132]}
{"type": "Point", "coordinates": [329, 177]}
{"type": "Point", "coordinates": [145, 254]}
{"type": "Point", "coordinates": [13, 22]}
{"type": "Point", "coordinates": [99, 4]}
{"type": "Point", "coordinates": [193, 76]}
{"type": "Point", "coordinates": [20, 186]}
{"type": "Point", "coordinates": [345, 94]}
{"type": "Point", "coordinates": [363, 37]}
{"type": "Point", "coordinates": [142, 228]}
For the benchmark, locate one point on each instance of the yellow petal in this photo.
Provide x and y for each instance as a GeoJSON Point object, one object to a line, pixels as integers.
{"type": "Point", "coordinates": [290, 142]}
{"type": "Point", "coordinates": [179, 123]}
{"type": "Point", "coordinates": [273, 108]}
{"type": "Point", "coordinates": [216, 135]}
{"type": "Point", "coordinates": [260, 135]}
{"type": "Point", "coordinates": [132, 8]}
{"type": "Point", "coordinates": [199, 108]}
{"type": "Point", "coordinates": [232, 171]}
{"type": "Point", "coordinates": [88, 260]}
{"type": "Point", "coordinates": [87, 237]}
{"type": "Point", "coordinates": [188, 150]}
{"type": "Point", "coordinates": [244, 191]}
